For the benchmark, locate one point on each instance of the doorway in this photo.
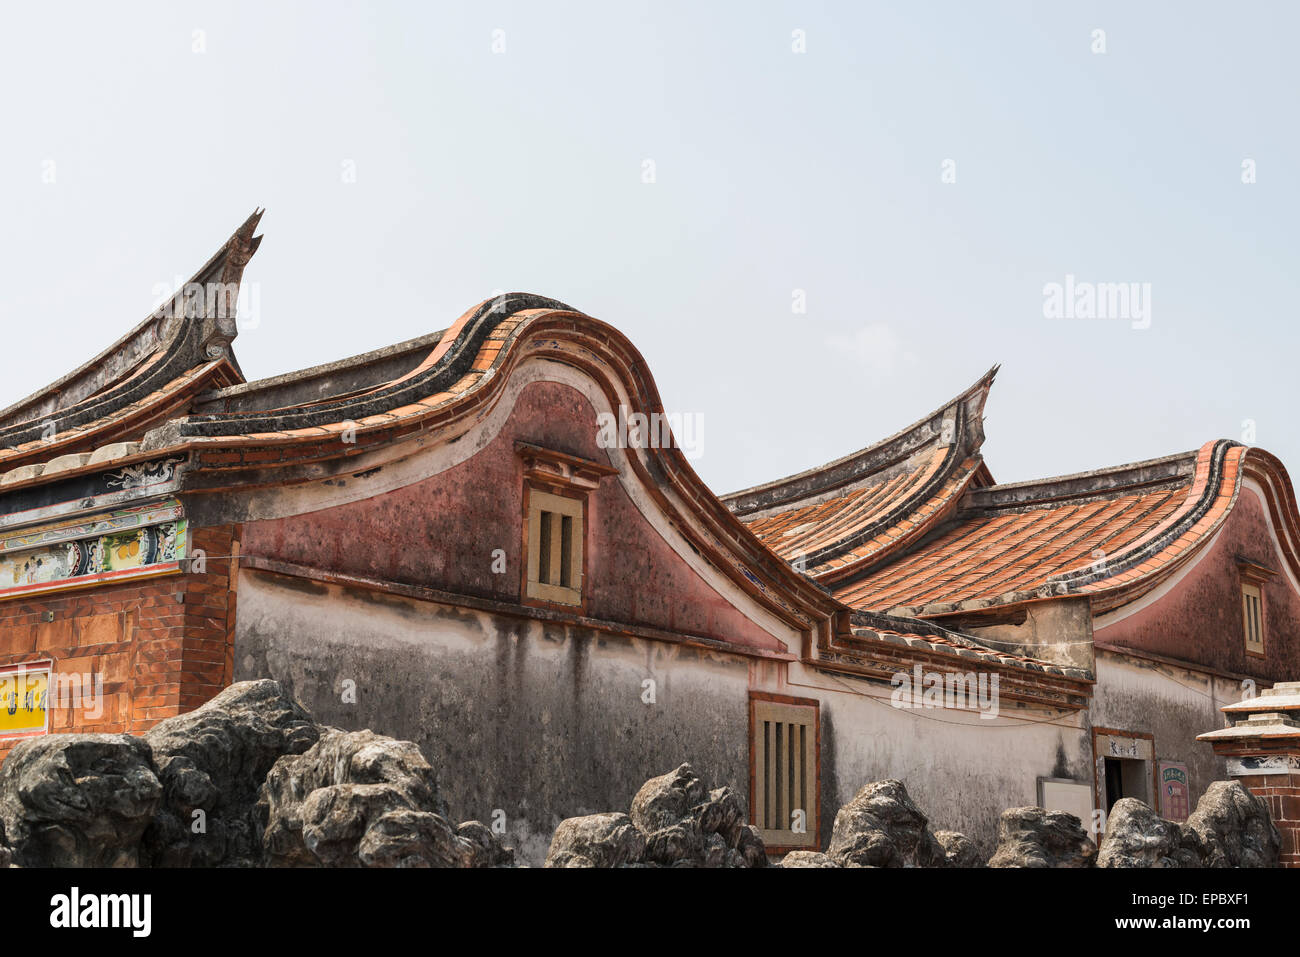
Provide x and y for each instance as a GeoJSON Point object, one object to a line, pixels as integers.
{"type": "Point", "coordinates": [1127, 778]}
{"type": "Point", "coordinates": [1125, 761]}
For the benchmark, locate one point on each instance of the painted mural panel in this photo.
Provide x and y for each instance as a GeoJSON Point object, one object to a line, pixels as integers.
{"type": "Point", "coordinates": [114, 554]}
{"type": "Point", "coordinates": [101, 524]}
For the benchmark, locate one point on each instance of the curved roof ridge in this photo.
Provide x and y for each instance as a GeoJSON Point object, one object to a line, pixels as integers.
{"type": "Point", "coordinates": [1167, 469]}
{"type": "Point", "coordinates": [866, 462]}
{"type": "Point", "coordinates": [1213, 489]}
{"type": "Point", "coordinates": [1279, 500]}
{"type": "Point", "coordinates": [331, 380]}
{"type": "Point", "coordinates": [195, 326]}
{"type": "Point", "coordinates": [838, 520]}
{"type": "Point", "coordinates": [454, 357]}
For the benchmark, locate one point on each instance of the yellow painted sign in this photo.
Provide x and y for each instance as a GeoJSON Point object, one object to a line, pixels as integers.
{"type": "Point", "coordinates": [23, 700]}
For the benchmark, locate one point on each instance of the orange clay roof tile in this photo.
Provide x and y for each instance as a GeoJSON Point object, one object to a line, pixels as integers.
{"type": "Point", "coordinates": [988, 555]}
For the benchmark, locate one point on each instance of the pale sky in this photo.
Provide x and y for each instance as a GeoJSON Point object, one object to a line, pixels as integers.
{"type": "Point", "coordinates": [138, 136]}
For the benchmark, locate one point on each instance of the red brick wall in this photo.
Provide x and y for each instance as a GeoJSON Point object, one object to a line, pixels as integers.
{"type": "Point", "coordinates": [1282, 793]}
{"type": "Point", "coordinates": [163, 646]}
{"type": "Point", "coordinates": [207, 658]}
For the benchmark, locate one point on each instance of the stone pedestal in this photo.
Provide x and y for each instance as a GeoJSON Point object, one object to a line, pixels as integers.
{"type": "Point", "coordinates": [1262, 750]}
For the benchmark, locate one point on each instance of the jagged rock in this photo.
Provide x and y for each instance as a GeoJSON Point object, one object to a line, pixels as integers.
{"type": "Point", "coordinates": [1235, 827]}
{"type": "Point", "coordinates": [670, 845]}
{"type": "Point", "coordinates": [664, 802]}
{"type": "Point", "coordinates": [343, 830]}
{"type": "Point", "coordinates": [6, 853]}
{"type": "Point", "coordinates": [958, 849]}
{"type": "Point", "coordinates": [214, 760]}
{"type": "Point", "coordinates": [597, 840]}
{"type": "Point", "coordinates": [678, 822]}
{"type": "Point", "coordinates": [1033, 837]}
{"type": "Point", "coordinates": [715, 851]}
{"type": "Point", "coordinates": [358, 799]}
{"type": "Point", "coordinates": [1136, 836]}
{"type": "Point", "coordinates": [882, 827]}
{"type": "Point", "coordinates": [807, 859]}
{"type": "Point", "coordinates": [485, 849]}
{"type": "Point", "coordinates": [78, 800]}
{"type": "Point", "coordinates": [722, 813]}
{"type": "Point", "coordinates": [748, 843]}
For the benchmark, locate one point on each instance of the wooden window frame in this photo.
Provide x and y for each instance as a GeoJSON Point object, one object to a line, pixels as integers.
{"type": "Point", "coordinates": [783, 840]}
{"type": "Point", "coordinates": [1254, 577]}
{"type": "Point", "coordinates": [1249, 590]}
{"type": "Point", "coordinates": [539, 501]}
{"type": "Point", "coordinates": [565, 482]}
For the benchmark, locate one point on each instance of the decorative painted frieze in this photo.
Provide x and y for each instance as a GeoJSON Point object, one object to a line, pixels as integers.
{"type": "Point", "coordinates": [129, 553]}
{"type": "Point", "coordinates": [66, 531]}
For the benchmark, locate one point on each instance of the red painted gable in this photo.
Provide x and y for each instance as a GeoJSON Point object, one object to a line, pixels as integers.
{"type": "Point", "coordinates": [441, 532]}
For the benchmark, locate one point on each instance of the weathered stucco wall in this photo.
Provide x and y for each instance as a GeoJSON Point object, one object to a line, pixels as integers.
{"type": "Point", "coordinates": [963, 771]}
{"type": "Point", "coordinates": [1058, 630]}
{"type": "Point", "coordinates": [1174, 704]}
{"type": "Point", "coordinates": [546, 722]}
{"type": "Point", "coordinates": [540, 721]}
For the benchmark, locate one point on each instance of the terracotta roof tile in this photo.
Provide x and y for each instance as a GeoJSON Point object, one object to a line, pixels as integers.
{"type": "Point", "coordinates": [987, 556]}
{"type": "Point", "coordinates": [1101, 536]}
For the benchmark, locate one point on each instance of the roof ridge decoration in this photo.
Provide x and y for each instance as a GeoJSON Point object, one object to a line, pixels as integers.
{"type": "Point", "coordinates": [193, 328]}
{"type": "Point", "coordinates": [449, 362]}
{"type": "Point", "coordinates": [873, 459]}
{"type": "Point", "coordinates": [1155, 473]}
{"type": "Point", "coordinates": [889, 494]}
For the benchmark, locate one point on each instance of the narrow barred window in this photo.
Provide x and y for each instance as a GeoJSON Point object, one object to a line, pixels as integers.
{"type": "Point", "coordinates": [555, 552]}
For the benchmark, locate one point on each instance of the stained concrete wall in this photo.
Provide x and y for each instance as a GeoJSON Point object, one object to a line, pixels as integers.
{"type": "Point", "coordinates": [1058, 630]}
{"type": "Point", "coordinates": [963, 771]}
{"type": "Point", "coordinates": [540, 721]}
{"type": "Point", "coordinates": [546, 722]}
{"type": "Point", "coordinates": [1172, 703]}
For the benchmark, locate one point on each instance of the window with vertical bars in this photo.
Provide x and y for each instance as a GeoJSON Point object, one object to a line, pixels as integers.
{"type": "Point", "coordinates": [784, 754]}
{"type": "Point", "coordinates": [554, 548]}
{"type": "Point", "coordinates": [1252, 611]}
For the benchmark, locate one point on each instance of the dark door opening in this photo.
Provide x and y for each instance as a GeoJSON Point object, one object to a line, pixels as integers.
{"type": "Point", "coordinates": [1126, 778]}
